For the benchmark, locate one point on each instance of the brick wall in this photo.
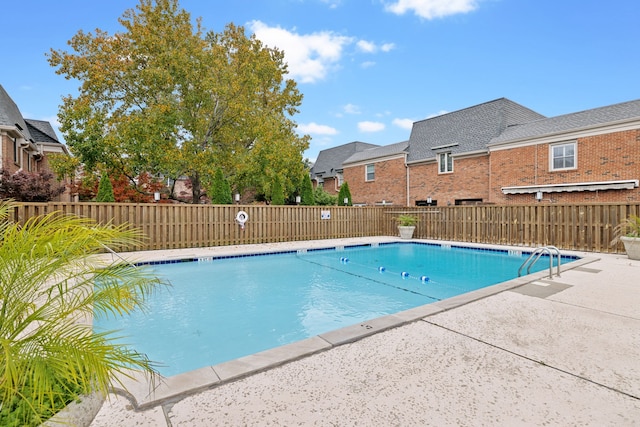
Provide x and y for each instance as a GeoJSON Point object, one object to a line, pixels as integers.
{"type": "Point", "coordinates": [390, 183]}
{"type": "Point", "coordinates": [7, 155]}
{"type": "Point", "coordinates": [608, 157]}
{"type": "Point", "coordinates": [469, 180]}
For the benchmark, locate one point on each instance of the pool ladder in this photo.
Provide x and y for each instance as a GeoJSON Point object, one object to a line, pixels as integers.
{"type": "Point", "coordinates": [535, 256]}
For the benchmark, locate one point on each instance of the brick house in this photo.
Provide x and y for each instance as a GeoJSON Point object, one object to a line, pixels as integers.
{"type": "Point", "coordinates": [378, 176]}
{"type": "Point", "coordinates": [502, 152]}
{"type": "Point", "coordinates": [327, 170]}
{"type": "Point", "coordinates": [589, 156]}
{"type": "Point", "coordinates": [25, 143]}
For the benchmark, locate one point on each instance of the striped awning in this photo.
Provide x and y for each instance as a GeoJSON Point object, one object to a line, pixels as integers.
{"type": "Point", "coordinates": [628, 184]}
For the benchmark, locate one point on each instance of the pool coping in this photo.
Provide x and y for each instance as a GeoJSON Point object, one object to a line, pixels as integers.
{"type": "Point", "coordinates": [146, 391]}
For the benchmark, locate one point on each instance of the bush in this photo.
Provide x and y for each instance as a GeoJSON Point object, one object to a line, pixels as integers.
{"type": "Point", "coordinates": [48, 288]}
{"type": "Point", "coordinates": [344, 193]}
{"type": "Point", "coordinates": [221, 191]}
{"type": "Point", "coordinates": [306, 191]}
{"type": "Point", "coordinates": [277, 194]}
{"type": "Point", "coordinates": [29, 187]}
{"type": "Point", "coordinates": [105, 190]}
{"type": "Point", "coordinates": [322, 198]}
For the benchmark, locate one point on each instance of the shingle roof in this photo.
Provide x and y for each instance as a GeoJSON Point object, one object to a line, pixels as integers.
{"type": "Point", "coordinates": [41, 131]}
{"type": "Point", "coordinates": [571, 122]}
{"type": "Point", "coordinates": [378, 152]}
{"type": "Point", "coordinates": [470, 129]}
{"type": "Point", "coordinates": [331, 159]}
{"type": "Point", "coordinates": [10, 114]}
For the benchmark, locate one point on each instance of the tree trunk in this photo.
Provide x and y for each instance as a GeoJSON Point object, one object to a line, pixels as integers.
{"type": "Point", "coordinates": [195, 188]}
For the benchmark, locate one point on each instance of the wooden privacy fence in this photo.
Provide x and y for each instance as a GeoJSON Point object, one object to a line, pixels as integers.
{"type": "Point", "coordinates": [582, 227]}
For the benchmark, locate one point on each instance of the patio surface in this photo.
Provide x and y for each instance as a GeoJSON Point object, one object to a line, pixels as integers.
{"type": "Point", "coordinates": [555, 352]}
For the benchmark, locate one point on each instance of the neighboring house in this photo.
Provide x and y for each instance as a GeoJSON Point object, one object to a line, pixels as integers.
{"type": "Point", "coordinates": [327, 170]}
{"type": "Point", "coordinates": [504, 153]}
{"type": "Point", "coordinates": [25, 143]}
{"type": "Point", "coordinates": [589, 156]}
{"type": "Point", "coordinates": [378, 176]}
{"type": "Point", "coordinates": [448, 158]}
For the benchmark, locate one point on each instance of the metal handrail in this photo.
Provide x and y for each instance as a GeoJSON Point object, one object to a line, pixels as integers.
{"type": "Point", "coordinates": [539, 252]}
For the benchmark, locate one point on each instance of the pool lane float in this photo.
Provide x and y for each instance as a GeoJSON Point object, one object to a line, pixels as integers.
{"type": "Point", "coordinates": [241, 218]}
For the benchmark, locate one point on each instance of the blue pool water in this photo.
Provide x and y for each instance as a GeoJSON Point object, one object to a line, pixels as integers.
{"type": "Point", "coordinates": [224, 308]}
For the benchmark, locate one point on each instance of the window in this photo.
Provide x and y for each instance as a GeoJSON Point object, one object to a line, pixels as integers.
{"type": "Point", "coordinates": [15, 150]}
{"type": "Point", "coordinates": [445, 163]}
{"type": "Point", "coordinates": [371, 172]}
{"type": "Point", "coordinates": [563, 156]}
{"type": "Point", "coordinates": [340, 178]}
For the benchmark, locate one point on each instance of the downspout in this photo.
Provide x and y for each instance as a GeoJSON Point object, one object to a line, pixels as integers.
{"type": "Point", "coordinates": [490, 174]}
{"type": "Point", "coordinates": [406, 166]}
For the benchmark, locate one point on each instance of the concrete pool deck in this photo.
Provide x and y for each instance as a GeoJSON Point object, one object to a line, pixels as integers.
{"type": "Point", "coordinates": [533, 351]}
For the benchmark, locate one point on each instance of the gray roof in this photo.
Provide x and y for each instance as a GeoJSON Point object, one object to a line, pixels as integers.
{"type": "Point", "coordinates": [10, 114]}
{"type": "Point", "coordinates": [329, 161]}
{"type": "Point", "coordinates": [467, 130]}
{"type": "Point", "coordinates": [571, 122]}
{"type": "Point", "coordinates": [378, 152]}
{"type": "Point", "coordinates": [41, 131]}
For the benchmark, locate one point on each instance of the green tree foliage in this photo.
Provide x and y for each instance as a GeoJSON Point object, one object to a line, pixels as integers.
{"type": "Point", "coordinates": [105, 190]}
{"type": "Point", "coordinates": [277, 194]}
{"type": "Point", "coordinates": [322, 198]}
{"type": "Point", "coordinates": [344, 193]}
{"type": "Point", "coordinates": [307, 197]}
{"type": "Point", "coordinates": [49, 293]}
{"type": "Point", "coordinates": [165, 97]}
{"type": "Point", "coordinates": [221, 190]}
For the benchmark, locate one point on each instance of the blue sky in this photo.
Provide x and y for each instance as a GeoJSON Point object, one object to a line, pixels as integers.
{"type": "Point", "coordinates": [369, 68]}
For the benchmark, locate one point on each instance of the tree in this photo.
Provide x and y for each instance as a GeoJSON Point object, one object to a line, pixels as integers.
{"type": "Point", "coordinates": [164, 97]}
{"type": "Point", "coordinates": [306, 191]}
{"type": "Point", "coordinates": [28, 187]}
{"type": "Point", "coordinates": [343, 194]}
{"type": "Point", "coordinates": [49, 290]}
{"type": "Point", "coordinates": [221, 190]}
{"type": "Point", "coordinates": [277, 194]}
{"type": "Point", "coordinates": [105, 190]}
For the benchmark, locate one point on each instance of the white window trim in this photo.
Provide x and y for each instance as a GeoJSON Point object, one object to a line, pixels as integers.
{"type": "Point", "coordinates": [366, 172]}
{"type": "Point", "coordinates": [447, 155]}
{"type": "Point", "coordinates": [575, 156]}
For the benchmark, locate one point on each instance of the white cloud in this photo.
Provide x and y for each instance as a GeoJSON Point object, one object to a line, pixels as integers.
{"type": "Point", "coordinates": [351, 109]}
{"type": "Point", "coordinates": [431, 9]}
{"type": "Point", "coordinates": [403, 123]}
{"type": "Point", "coordinates": [309, 57]}
{"type": "Point", "coordinates": [370, 47]}
{"type": "Point", "coordinates": [366, 46]}
{"type": "Point", "coordinates": [367, 64]}
{"type": "Point", "coordinates": [439, 113]}
{"type": "Point", "coordinates": [370, 126]}
{"type": "Point", "coordinates": [388, 47]}
{"type": "Point", "coordinates": [316, 129]}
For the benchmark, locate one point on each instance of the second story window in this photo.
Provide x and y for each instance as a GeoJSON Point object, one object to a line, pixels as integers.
{"type": "Point", "coordinates": [445, 163]}
{"type": "Point", "coordinates": [563, 156]}
{"type": "Point", "coordinates": [370, 172]}
{"type": "Point", "coordinates": [16, 151]}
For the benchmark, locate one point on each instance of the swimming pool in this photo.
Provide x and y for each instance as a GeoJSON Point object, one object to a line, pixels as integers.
{"type": "Point", "coordinates": [222, 308]}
